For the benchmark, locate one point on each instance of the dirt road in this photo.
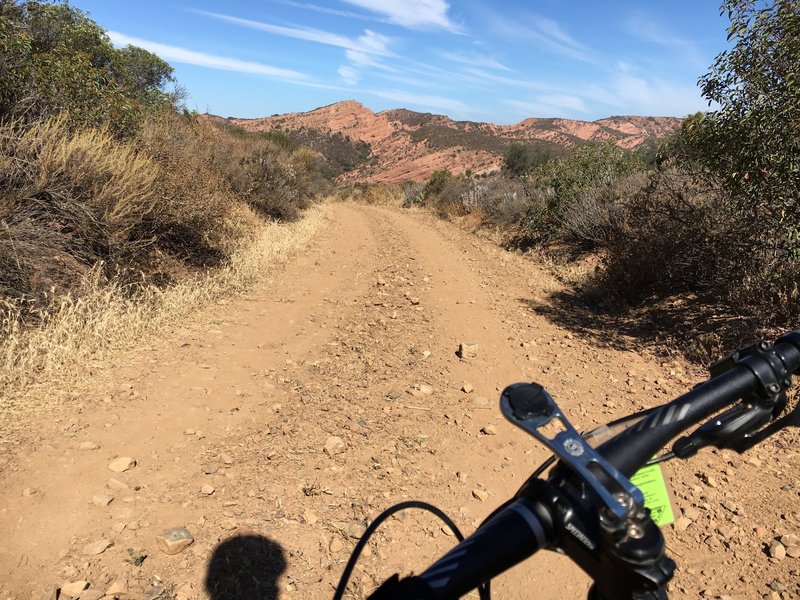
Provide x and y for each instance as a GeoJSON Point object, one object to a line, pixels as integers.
{"type": "Point", "coordinates": [275, 425]}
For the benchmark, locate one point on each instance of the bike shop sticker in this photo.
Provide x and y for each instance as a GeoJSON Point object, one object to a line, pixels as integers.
{"type": "Point", "coordinates": [657, 494]}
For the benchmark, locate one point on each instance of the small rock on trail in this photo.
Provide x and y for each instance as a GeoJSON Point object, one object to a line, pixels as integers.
{"type": "Point", "coordinates": [467, 350]}
{"type": "Point", "coordinates": [174, 540]}
{"type": "Point", "coordinates": [480, 494]}
{"type": "Point", "coordinates": [74, 588]}
{"type": "Point", "coordinates": [97, 547]}
{"type": "Point", "coordinates": [122, 464]}
{"type": "Point", "coordinates": [117, 485]}
{"type": "Point", "coordinates": [102, 499]}
{"type": "Point", "coordinates": [333, 446]}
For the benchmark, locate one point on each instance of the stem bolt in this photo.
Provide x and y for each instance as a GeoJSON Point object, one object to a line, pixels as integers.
{"type": "Point", "coordinates": [635, 531]}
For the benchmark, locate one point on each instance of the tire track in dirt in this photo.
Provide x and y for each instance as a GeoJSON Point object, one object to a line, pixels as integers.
{"type": "Point", "coordinates": [355, 340]}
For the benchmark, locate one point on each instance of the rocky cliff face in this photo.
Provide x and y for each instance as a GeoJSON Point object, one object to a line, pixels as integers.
{"type": "Point", "coordinates": [409, 146]}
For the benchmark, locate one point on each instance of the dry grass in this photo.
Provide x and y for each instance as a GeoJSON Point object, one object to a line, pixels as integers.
{"type": "Point", "coordinates": [78, 335]}
{"type": "Point", "coordinates": [377, 194]}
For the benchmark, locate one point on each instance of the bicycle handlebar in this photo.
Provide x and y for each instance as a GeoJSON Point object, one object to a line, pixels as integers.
{"type": "Point", "coordinates": [632, 448]}
{"type": "Point", "coordinates": [524, 526]}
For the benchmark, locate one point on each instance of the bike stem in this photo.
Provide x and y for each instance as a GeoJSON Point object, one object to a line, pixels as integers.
{"type": "Point", "coordinates": [597, 516]}
{"type": "Point", "coordinates": [622, 566]}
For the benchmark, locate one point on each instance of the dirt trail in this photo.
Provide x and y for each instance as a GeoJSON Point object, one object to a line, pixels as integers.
{"type": "Point", "coordinates": [301, 410]}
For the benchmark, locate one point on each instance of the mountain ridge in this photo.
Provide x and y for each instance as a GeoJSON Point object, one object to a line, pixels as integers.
{"type": "Point", "coordinates": [407, 145]}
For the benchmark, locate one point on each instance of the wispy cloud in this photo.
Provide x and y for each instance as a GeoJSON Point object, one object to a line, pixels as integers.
{"type": "Point", "coordinates": [555, 105]}
{"type": "Point", "coordinates": [545, 33]}
{"type": "Point", "coordinates": [474, 59]}
{"type": "Point", "coordinates": [370, 42]}
{"type": "Point", "coordinates": [656, 96]}
{"type": "Point", "coordinates": [363, 60]}
{"type": "Point", "coordinates": [413, 14]}
{"type": "Point", "coordinates": [348, 74]}
{"type": "Point", "coordinates": [572, 103]}
{"type": "Point", "coordinates": [480, 75]}
{"type": "Point", "coordinates": [332, 11]}
{"type": "Point", "coordinates": [212, 61]}
{"type": "Point", "coordinates": [362, 52]}
{"type": "Point", "coordinates": [643, 27]}
{"type": "Point", "coordinates": [423, 100]}
{"type": "Point", "coordinates": [634, 93]}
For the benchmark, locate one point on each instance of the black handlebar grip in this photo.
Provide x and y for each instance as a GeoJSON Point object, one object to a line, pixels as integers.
{"type": "Point", "coordinates": [512, 535]}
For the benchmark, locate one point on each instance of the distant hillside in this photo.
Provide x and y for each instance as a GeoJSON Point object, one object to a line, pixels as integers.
{"type": "Point", "coordinates": [401, 145]}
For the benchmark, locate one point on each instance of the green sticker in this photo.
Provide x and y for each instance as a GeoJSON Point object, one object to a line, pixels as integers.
{"type": "Point", "coordinates": [656, 496]}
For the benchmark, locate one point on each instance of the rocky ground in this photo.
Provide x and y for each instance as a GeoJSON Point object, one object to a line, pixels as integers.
{"type": "Point", "coordinates": [246, 455]}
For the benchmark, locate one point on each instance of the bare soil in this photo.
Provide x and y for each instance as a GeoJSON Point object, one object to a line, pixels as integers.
{"type": "Point", "coordinates": [229, 421]}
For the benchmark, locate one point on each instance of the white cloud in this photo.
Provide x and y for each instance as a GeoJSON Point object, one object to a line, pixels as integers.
{"type": "Point", "coordinates": [644, 28]}
{"type": "Point", "coordinates": [624, 67]}
{"type": "Point", "coordinates": [485, 77]}
{"type": "Point", "coordinates": [657, 97]}
{"type": "Point", "coordinates": [212, 61]}
{"type": "Point", "coordinates": [543, 32]}
{"type": "Point", "coordinates": [348, 74]}
{"type": "Point", "coordinates": [554, 105]}
{"type": "Point", "coordinates": [373, 43]}
{"type": "Point", "coordinates": [414, 14]}
{"type": "Point", "coordinates": [331, 11]}
{"type": "Point", "coordinates": [424, 101]}
{"type": "Point", "coordinates": [370, 42]}
{"type": "Point", "coordinates": [573, 103]}
{"type": "Point", "coordinates": [474, 59]}
{"type": "Point", "coordinates": [363, 60]}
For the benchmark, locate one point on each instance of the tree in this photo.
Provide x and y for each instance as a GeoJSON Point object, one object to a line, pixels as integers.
{"type": "Point", "coordinates": [54, 59]}
{"type": "Point", "coordinates": [519, 160]}
{"type": "Point", "coordinates": [144, 74]}
{"type": "Point", "coordinates": [752, 141]}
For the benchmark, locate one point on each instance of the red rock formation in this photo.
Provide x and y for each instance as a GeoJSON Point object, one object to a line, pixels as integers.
{"type": "Point", "coordinates": [401, 152]}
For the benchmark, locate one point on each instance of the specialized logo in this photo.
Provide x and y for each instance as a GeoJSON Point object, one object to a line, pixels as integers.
{"type": "Point", "coordinates": [580, 536]}
{"type": "Point", "coordinates": [573, 446]}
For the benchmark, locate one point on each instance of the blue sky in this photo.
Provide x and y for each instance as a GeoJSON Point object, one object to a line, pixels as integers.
{"type": "Point", "coordinates": [499, 61]}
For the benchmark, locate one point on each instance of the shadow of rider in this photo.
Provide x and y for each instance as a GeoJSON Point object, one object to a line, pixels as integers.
{"type": "Point", "coordinates": [245, 566]}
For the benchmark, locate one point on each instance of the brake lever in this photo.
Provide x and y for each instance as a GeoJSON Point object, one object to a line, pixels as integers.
{"type": "Point", "coordinates": [531, 408]}
{"type": "Point", "coordinates": [727, 430]}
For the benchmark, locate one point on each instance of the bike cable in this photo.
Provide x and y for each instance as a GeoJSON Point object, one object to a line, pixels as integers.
{"type": "Point", "coordinates": [483, 590]}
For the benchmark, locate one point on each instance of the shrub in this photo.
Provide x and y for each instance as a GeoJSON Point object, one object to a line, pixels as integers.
{"type": "Point", "coordinates": [436, 183]}
{"type": "Point", "coordinates": [750, 148]}
{"type": "Point", "coordinates": [196, 201]}
{"type": "Point", "coordinates": [498, 199]}
{"type": "Point", "coordinates": [560, 187]}
{"type": "Point", "coordinates": [591, 219]}
{"type": "Point", "coordinates": [520, 159]}
{"type": "Point", "coordinates": [57, 61]}
{"type": "Point", "coordinates": [182, 195]}
{"type": "Point", "coordinates": [750, 143]}
{"type": "Point", "coordinates": [69, 199]}
{"type": "Point", "coordinates": [669, 238]}
{"type": "Point", "coordinates": [413, 193]}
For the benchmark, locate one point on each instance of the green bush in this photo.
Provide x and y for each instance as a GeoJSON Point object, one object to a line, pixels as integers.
{"type": "Point", "coordinates": [559, 187]}
{"type": "Point", "coordinates": [436, 183]}
{"type": "Point", "coordinates": [747, 252]}
{"type": "Point", "coordinates": [99, 172]}
{"type": "Point", "coordinates": [669, 237]}
{"type": "Point", "coordinates": [592, 218]}
{"type": "Point", "coordinates": [751, 142]}
{"type": "Point", "coordinates": [56, 60]}
{"type": "Point", "coordinates": [520, 159]}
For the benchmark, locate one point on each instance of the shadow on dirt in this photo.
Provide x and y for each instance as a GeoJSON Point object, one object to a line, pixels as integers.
{"type": "Point", "coordinates": [679, 324]}
{"type": "Point", "coordinates": [245, 566]}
